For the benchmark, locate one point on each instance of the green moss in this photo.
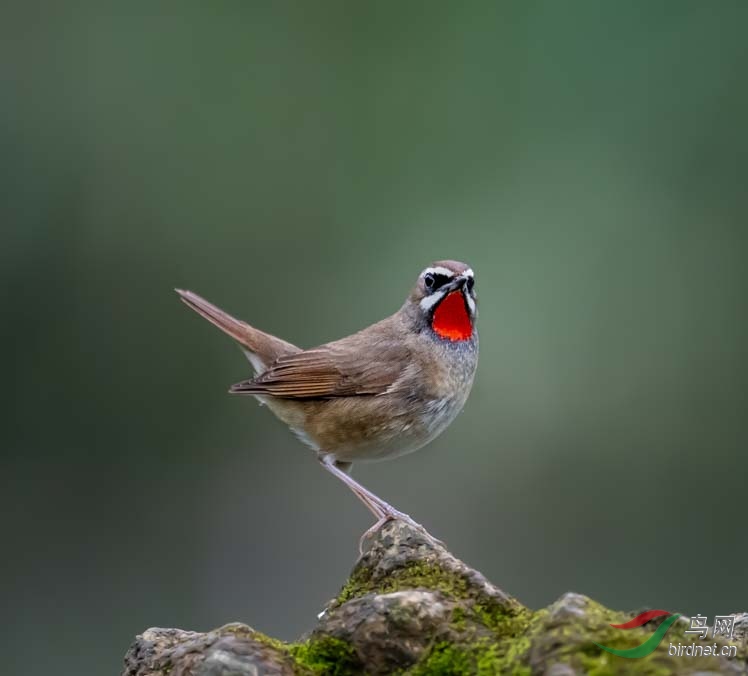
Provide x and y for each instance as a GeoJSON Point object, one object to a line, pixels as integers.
{"type": "Point", "coordinates": [445, 659]}
{"type": "Point", "coordinates": [247, 632]}
{"type": "Point", "coordinates": [459, 619]}
{"type": "Point", "coordinates": [471, 654]}
{"type": "Point", "coordinates": [417, 574]}
{"type": "Point", "coordinates": [521, 640]}
{"type": "Point", "coordinates": [326, 655]}
{"type": "Point", "coordinates": [411, 576]}
{"type": "Point", "coordinates": [572, 641]}
{"type": "Point", "coordinates": [272, 642]}
{"type": "Point", "coordinates": [358, 584]}
{"type": "Point", "coordinates": [507, 653]}
{"type": "Point", "coordinates": [482, 658]}
{"type": "Point", "coordinates": [515, 651]}
{"type": "Point", "coordinates": [504, 622]}
{"type": "Point", "coordinates": [568, 641]}
{"type": "Point", "coordinates": [602, 665]}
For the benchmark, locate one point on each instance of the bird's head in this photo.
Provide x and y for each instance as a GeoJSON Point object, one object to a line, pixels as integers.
{"type": "Point", "coordinates": [443, 300]}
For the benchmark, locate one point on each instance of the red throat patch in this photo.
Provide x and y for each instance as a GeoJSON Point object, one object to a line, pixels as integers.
{"type": "Point", "coordinates": [451, 319]}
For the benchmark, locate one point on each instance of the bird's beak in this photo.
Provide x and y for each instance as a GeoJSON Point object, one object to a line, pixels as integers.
{"type": "Point", "coordinates": [457, 283]}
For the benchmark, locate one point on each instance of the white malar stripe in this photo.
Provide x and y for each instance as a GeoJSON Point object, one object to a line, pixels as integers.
{"type": "Point", "coordinates": [438, 270]}
{"type": "Point", "coordinates": [429, 301]}
{"type": "Point", "coordinates": [471, 303]}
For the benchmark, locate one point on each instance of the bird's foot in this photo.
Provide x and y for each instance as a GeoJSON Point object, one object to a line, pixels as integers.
{"type": "Point", "coordinates": [390, 515]}
{"type": "Point", "coordinates": [371, 532]}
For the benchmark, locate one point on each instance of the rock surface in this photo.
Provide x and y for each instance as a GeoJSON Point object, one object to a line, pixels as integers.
{"type": "Point", "coordinates": [411, 607]}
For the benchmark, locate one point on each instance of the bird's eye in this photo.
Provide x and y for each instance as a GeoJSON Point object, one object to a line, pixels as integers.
{"type": "Point", "coordinates": [470, 284]}
{"type": "Point", "coordinates": [434, 280]}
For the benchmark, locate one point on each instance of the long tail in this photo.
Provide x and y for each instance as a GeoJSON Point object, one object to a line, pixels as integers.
{"type": "Point", "coordinates": [261, 348]}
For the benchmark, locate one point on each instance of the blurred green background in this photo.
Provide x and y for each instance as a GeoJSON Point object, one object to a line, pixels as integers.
{"type": "Point", "coordinates": [298, 164]}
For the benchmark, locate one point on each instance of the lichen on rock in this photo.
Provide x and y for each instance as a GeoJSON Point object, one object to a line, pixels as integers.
{"type": "Point", "coordinates": [410, 607]}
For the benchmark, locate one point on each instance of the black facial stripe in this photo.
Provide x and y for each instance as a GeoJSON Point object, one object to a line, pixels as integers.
{"type": "Point", "coordinates": [434, 280]}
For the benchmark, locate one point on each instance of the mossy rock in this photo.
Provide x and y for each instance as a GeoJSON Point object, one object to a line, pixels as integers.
{"type": "Point", "coordinates": [410, 607]}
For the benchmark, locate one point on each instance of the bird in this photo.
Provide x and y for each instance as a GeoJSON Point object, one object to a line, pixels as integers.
{"type": "Point", "coordinates": [384, 391]}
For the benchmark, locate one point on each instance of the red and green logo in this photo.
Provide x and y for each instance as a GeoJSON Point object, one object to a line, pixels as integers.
{"type": "Point", "coordinates": [653, 641]}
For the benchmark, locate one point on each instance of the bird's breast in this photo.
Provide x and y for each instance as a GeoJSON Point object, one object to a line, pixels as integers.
{"type": "Point", "coordinates": [420, 405]}
{"type": "Point", "coordinates": [429, 393]}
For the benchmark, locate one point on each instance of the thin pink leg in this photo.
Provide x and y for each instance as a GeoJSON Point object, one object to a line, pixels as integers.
{"type": "Point", "coordinates": [382, 511]}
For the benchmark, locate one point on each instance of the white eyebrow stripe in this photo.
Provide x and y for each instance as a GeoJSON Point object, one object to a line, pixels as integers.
{"type": "Point", "coordinates": [438, 270]}
{"type": "Point", "coordinates": [468, 273]}
{"type": "Point", "coordinates": [429, 301]}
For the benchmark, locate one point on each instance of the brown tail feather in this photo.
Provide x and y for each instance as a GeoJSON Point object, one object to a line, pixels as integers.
{"type": "Point", "coordinates": [268, 348]}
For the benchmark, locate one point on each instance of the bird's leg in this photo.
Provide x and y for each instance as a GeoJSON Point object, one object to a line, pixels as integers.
{"type": "Point", "coordinates": [382, 511]}
{"type": "Point", "coordinates": [340, 469]}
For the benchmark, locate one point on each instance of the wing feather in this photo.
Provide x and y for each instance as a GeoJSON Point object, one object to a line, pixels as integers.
{"type": "Point", "coordinates": [358, 365]}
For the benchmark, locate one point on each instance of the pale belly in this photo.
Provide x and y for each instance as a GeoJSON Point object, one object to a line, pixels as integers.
{"type": "Point", "coordinates": [354, 430]}
{"type": "Point", "coordinates": [377, 427]}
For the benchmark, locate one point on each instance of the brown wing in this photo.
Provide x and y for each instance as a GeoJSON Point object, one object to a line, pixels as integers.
{"type": "Point", "coordinates": [363, 364]}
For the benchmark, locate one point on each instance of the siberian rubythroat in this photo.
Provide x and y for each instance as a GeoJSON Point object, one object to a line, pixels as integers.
{"type": "Point", "coordinates": [384, 391]}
